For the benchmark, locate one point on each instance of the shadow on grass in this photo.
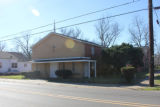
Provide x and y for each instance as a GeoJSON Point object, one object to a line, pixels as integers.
{"type": "Point", "coordinates": [145, 76]}
{"type": "Point", "coordinates": [141, 76]}
{"type": "Point", "coordinates": [112, 81]}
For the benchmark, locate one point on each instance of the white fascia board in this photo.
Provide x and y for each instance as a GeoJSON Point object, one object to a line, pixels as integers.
{"type": "Point", "coordinates": [66, 61]}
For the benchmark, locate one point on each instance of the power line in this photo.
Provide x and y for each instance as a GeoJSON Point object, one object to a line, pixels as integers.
{"type": "Point", "coordinates": [157, 17]}
{"type": "Point", "coordinates": [127, 3]}
{"type": "Point", "coordinates": [103, 18]}
{"type": "Point", "coordinates": [126, 13]}
{"type": "Point", "coordinates": [25, 35]}
{"type": "Point", "coordinates": [98, 11]}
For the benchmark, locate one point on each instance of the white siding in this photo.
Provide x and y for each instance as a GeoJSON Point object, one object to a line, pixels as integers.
{"type": "Point", "coordinates": [23, 68]}
{"type": "Point", "coordinates": [7, 64]}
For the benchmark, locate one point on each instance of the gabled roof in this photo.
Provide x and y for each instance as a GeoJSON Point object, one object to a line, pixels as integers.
{"type": "Point", "coordinates": [65, 36]}
{"type": "Point", "coordinates": [19, 56]}
{"type": "Point", "coordinates": [13, 55]}
{"type": "Point", "coordinates": [6, 55]}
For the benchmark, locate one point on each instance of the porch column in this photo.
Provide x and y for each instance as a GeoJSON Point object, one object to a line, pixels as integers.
{"type": "Point", "coordinates": [89, 70]}
{"type": "Point", "coordinates": [95, 72]}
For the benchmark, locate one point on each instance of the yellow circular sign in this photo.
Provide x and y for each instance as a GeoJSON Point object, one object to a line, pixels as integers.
{"type": "Point", "coordinates": [69, 43]}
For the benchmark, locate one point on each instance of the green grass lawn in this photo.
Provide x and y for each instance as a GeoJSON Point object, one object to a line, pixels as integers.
{"type": "Point", "coordinates": [156, 88]}
{"type": "Point", "coordinates": [141, 75]}
{"type": "Point", "coordinates": [13, 76]}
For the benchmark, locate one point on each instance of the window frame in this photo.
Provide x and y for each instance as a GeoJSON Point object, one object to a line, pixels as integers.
{"type": "Point", "coordinates": [0, 64]}
{"type": "Point", "coordinates": [14, 65]}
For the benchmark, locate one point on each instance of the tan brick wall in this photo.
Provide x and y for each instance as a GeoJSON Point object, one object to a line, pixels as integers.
{"type": "Point", "coordinates": [55, 46]}
{"type": "Point", "coordinates": [44, 69]}
{"type": "Point", "coordinates": [79, 70]}
{"type": "Point", "coordinates": [68, 66]}
{"type": "Point", "coordinates": [88, 53]}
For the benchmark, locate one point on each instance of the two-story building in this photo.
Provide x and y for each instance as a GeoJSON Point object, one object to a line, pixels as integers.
{"type": "Point", "coordinates": [57, 51]}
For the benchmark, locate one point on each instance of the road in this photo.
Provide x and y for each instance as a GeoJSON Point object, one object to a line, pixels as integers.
{"type": "Point", "coordinates": [33, 94]}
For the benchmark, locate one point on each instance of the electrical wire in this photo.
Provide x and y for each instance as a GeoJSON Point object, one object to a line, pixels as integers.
{"type": "Point", "coordinates": [126, 13]}
{"type": "Point", "coordinates": [157, 17]}
{"type": "Point", "coordinates": [120, 5]}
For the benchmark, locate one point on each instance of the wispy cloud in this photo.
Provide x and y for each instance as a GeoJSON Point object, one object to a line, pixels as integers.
{"type": "Point", "coordinates": [35, 12]}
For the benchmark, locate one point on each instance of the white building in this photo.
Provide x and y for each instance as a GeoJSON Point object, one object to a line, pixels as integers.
{"type": "Point", "coordinates": [13, 61]}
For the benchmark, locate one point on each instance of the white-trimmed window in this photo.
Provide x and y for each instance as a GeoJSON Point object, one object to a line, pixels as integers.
{"type": "Point", "coordinates": [14, 65]}
{"type": "Point", "coordinates": [25, 65]}
{"type": "Point", "coordinates": [92, 50]}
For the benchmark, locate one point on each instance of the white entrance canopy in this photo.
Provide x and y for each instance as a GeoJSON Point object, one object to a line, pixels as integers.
{"type": "Point", "coordinates": [70, 59]}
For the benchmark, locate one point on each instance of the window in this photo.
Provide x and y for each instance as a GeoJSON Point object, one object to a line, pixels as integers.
{"type": "Point", "coordinates": [92, 50]}
{"type": "Point", "coordinates": [25, 65]}
{"type": "Point", "coordinates": [0, 65]}
{"type": "Point", "coordinates": [14, 65]}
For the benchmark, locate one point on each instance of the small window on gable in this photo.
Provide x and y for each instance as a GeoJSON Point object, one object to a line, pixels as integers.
{"type": "Point", "coordinates": [14, 65]}
{"type": "Point", "coordinates": [53, 48]}
{"type": "Point", "coordinates": [92, 50]}
{"type": "Point", "coordinates": [0, 65]}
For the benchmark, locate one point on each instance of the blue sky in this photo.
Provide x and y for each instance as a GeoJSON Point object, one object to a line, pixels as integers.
{"type": "Point", "coordinates": [20, 15]}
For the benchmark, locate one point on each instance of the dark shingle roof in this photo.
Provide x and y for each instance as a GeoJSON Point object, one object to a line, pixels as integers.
{"type": "Point", "coordinates": [19, 56]}
{"type": "Point", "coordinates": [13, 55]}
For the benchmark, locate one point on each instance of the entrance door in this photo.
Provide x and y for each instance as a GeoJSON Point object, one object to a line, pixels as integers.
{"type": "Point", "coordinates": [53, 68]}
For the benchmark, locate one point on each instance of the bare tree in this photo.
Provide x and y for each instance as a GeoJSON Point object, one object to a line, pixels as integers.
{"type": "Point", "coordinates": [139, 32]}
{"type": "Point", "coordinates": [72, 32]}
{"type": "Point", "coordinates": [2, 46]}
{"type": "Point", "coordinates": [25, 45]}
{"type": "Point", "coordinates": [157, 55]}
{"type": "Point", "coordinates": [107, 32]}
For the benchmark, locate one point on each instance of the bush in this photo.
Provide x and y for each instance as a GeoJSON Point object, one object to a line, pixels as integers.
{"type": "Point", "coordinates": [64, 73]}
{"type": "Point", "coordinates": [128, 73]}
{"type": "Point", "coordinates": [113, 58]}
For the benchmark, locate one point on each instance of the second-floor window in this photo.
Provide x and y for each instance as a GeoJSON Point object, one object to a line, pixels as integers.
{"type": "Point", "coordinates": [14, 65]}
{"type": "Point", "coordinates": [92, 51]}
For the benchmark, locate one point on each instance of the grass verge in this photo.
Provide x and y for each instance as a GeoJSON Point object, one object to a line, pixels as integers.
{"type": "Point", "coordinates": [13, 76]}
{"type": "Point", "coordinates": [99, 80]}
{"type": "Point", "coordinates": [156, 88]}
{"type": "Point", "coordinates": [157, 84]}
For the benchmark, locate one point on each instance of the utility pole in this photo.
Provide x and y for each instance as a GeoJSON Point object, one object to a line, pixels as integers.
{"type": "Point", "coordinates": [151, 44]}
